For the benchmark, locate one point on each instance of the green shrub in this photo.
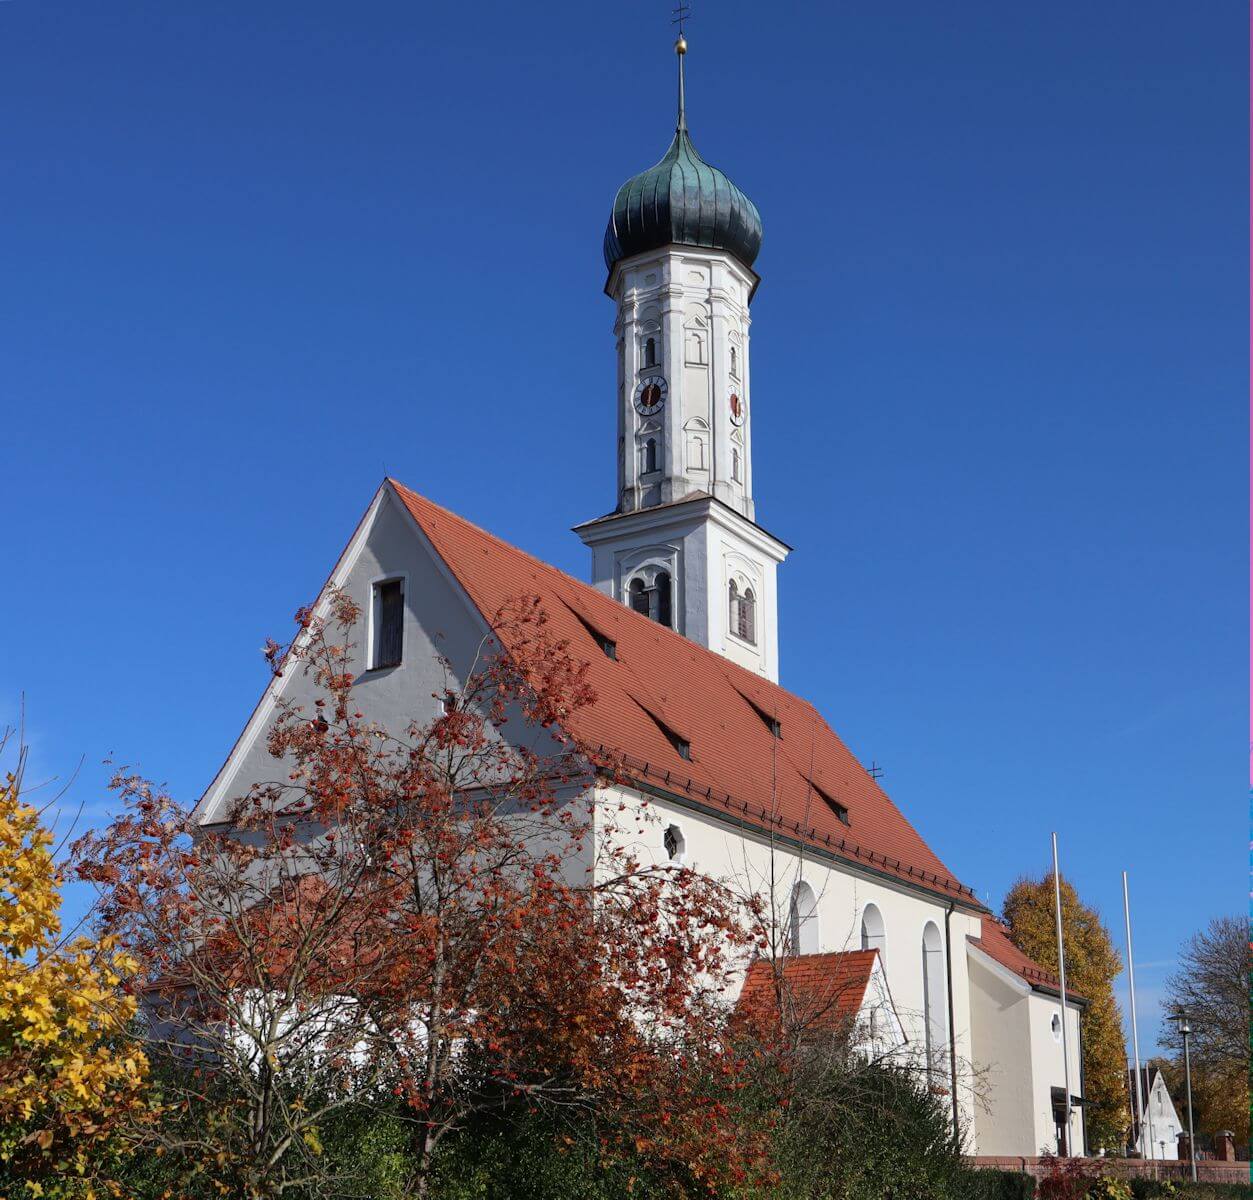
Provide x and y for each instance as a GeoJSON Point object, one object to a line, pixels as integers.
{"type": "Point", "coordinates": [998, 1185]}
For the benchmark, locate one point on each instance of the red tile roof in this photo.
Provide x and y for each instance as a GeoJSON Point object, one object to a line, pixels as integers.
{"type": "Point", "coordinates": [826, 990]}
{"type": "Point", "coordinates": [737, 767]}
{"type": "Point", "coordinates": [994, 940]}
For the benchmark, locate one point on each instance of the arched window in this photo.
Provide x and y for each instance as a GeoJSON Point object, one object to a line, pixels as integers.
{"type": "Point", "coordinates": [650, 456]}
{"type": "Point", "coordinates": [803, 921]}
{"type": "Point", "coordinates": [674, 842]}
{"type": "Point", "coordinates": [933, 993]}
{"type": "Point", "coordinates": [872, 933]}
{"type": "Point", "coordinates": [661, 594]}
{"type": "Point", "coordinates": [651, 597]}
{"type": "Point", "coordinates": [743, 617]}
{"type": "Point", "coordinates": [735, 365]}
{"type": "Point", "coordinates": [650, 352]}
{"type": "Point", "coordinates": [638, 592]}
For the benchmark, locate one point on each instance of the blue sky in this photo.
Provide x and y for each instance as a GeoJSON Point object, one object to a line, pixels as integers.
{"type": "Point", "coordinates": [255, 256]}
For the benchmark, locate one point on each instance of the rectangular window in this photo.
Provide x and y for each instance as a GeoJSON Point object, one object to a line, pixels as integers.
{"type": "Point", "coordinates": [389, 623]}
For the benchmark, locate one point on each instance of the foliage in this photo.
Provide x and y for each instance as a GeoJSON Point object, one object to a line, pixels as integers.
{"type": "Point", "coordinates": [1153, 1189]}
{"type": "Point", "coordinates": [68, 1079]}
{"type": "Point", "coordinates": [1211, 986]}
{"type": "Point", "coordinates": [443, 914]}
{"type": "Point", "coordinates": [1092, 964]}
{"type": "Point", "coordinates": [1109, 1188]}
{"type": "Point", "coordinates": [989, 1184]}
{"type": "Point", "coordinates": [859, 1130]}
{"type": "Point", "coordinates": [1067, 1178]}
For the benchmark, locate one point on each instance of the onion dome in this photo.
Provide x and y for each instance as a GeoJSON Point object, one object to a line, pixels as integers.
{"type": "Point", "coordinates": [682, 200]}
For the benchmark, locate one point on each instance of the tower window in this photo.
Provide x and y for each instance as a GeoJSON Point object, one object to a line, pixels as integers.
{"type": "Point", "coordinates": [735, 464]}
{"type": "Point", "coordinates": [388, 615]}
{"type": "Point", "coordinates": [650, 352]}
{"type": "Point", "coordinates": [735, 363]}
{"type": "Point", "coordinates": [650, 456]}
{"type": "Point", "coordinates": [743, 616]}
{"type": "Point", "coordinates": [652, 600]}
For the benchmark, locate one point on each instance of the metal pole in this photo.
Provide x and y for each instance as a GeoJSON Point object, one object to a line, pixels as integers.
{"type": "Point", "coordinates": [1186, 1029]}
{"type": "Point", "coordinates": [1061, 964]}
{"type": "Point", "coordinates": [1146, 1122]}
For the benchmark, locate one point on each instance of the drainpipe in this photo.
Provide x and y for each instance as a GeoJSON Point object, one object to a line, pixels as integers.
{"type": "Point", "coordinates": [952, 1028]}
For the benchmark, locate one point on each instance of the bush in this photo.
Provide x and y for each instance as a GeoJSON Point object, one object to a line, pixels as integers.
{"type": "Point", "coordinates": [857, 1131]}
{"type": "Point", "coordinates": [998, 1185]}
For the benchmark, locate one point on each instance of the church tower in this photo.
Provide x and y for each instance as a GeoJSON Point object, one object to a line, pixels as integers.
{"type": "Point", "coordinates": [683, 545]}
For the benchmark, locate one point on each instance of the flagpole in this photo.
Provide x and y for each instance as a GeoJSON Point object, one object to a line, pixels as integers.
{"type": "Point", "coordinates": [1145, 1119]}
{"type": "Point", "coordinates": [1061, 963]}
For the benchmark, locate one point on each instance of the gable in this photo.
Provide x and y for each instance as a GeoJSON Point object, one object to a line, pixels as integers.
{"type": "Point", "coordinates": [438, 620]}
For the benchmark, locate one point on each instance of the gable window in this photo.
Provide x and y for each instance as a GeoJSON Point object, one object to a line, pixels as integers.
{"type": "Point", "coordinates": [652, 599]}
{"type": "Point", "coordinates": [388, 616]}
{"type": "Point", "coordinates": [743, 613]}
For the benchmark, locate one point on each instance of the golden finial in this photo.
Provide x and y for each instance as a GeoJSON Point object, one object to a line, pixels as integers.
{"type": "Point", "coordinates": [680, 47]}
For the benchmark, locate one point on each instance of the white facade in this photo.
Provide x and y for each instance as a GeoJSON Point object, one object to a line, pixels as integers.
{"type": "Point", "coordinates": [1018, 1061]}
{"type": "Point", "coordinates": [907, 926]}
{"type": "Point", "coordinates": [683, 545]}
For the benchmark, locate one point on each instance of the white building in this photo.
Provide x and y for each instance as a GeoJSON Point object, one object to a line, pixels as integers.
{"type": "Point", "coordinates": [1158, 1136]}
{"type": "Point", "coordinates": [681, 634]}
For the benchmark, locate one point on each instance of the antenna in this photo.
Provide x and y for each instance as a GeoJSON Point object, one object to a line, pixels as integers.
{"type": "Point", "coordinates": [681, 13]}
{"type": "Point", "coordinates": [874, 770]}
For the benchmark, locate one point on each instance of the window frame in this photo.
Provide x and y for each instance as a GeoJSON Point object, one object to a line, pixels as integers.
{"type": "Point", "coordinates": [373, 629]}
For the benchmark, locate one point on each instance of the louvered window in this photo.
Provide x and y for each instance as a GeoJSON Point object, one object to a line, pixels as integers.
{"type": "Point", "coordinates": [743, 613]}
{"type": "Point", "coordinates": [389, 623]}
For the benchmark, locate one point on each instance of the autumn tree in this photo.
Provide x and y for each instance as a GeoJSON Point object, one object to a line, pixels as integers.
{"type": "Point", "coordinates": [69, 1080]}
{"type": "Point", "coordinates": [441, 916]}
{"type": "Point", "coordinates": [1092, 964]}
{"type": "Point", "coordinates": [1211, 986]}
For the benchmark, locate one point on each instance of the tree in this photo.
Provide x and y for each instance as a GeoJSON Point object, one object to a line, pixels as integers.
{"type": "Point", "coordinates": [442, 915]}
{"type": "Point", "coordinates": [68, 1079]}
{"type": "Point", "coordinates": [1211, 986]}
{"type": "Point", "coordinates": [1092, 964]}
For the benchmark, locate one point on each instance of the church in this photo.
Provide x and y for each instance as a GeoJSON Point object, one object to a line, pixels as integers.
{"type": "Point", "coordinates": [680, 628]}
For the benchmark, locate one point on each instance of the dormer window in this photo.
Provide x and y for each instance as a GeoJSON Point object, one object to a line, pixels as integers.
{"type": "Point", "coordinates": [387, 614]}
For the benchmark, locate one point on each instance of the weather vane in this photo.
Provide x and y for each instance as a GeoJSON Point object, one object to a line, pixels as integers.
{"type": "Point", "coordinates": [681, 13]}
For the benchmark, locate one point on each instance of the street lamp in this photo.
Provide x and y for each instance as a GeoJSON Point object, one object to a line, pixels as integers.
{"type": "Point", "coordinates": [1185, 1029]}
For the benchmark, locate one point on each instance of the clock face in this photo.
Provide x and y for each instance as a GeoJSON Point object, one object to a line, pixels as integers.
{"type": "Point", "coordinates": [650, 395]}
{"type": "Point", "coordinates": [737, 408]}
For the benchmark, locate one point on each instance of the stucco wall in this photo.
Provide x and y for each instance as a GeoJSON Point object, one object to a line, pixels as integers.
{"type": "Point", "coordinates": [747, 859]}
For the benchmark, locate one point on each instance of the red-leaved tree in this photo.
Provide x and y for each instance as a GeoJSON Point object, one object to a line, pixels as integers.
{"type": "Point", "coordinates": [442, 915]}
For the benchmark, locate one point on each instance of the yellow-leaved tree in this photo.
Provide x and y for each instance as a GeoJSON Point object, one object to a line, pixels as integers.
{"type": "Point", "coordinates": [1092, 964]}
{"type": "Point", "coordinates": [66, 1078]}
